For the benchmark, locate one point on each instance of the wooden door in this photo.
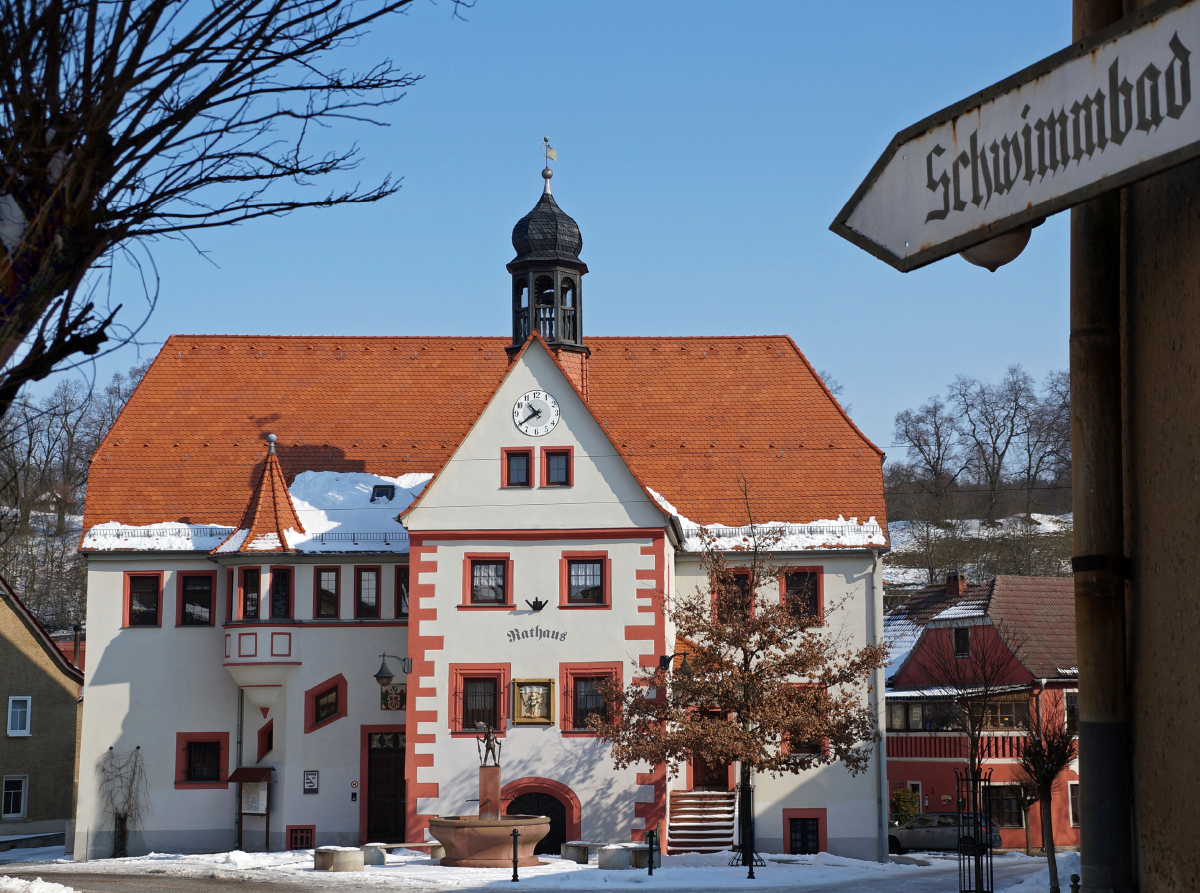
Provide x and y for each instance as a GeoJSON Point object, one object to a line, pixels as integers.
{"type": "Point", "coordinates": [385, 787]}
{"type": "Point", "coordinates": [709, 776]}
{"type": "Point", "coordinates": [537, 803]}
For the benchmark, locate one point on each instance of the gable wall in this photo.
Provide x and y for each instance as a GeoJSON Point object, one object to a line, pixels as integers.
{"type": "Point", "coordinates": [47, 755]}
{"type": "Point", "coordinates": [467, 494]}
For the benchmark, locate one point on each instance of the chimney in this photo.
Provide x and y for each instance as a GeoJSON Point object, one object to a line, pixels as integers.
{"type": "Point", "coordinates": [955, 583]}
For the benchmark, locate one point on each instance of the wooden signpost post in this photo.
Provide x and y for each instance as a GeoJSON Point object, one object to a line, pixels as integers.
{"type": "Point", "coordinates": [1103, 113]}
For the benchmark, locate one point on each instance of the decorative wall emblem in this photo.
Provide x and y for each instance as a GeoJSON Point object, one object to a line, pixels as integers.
{"type": "Point", "coordinates": [392, 697]}
{"type": "Point", "coordinates": [533, 701]}
{"type": "Point", "coordinates": [312, 781]}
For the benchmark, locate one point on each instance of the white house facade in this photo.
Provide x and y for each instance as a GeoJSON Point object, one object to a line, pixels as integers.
{"type": "Point", "coordinates": [272, 518]}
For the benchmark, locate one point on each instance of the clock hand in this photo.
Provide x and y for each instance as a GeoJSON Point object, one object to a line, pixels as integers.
{"type": "Point", "coordinates": [532, 415]}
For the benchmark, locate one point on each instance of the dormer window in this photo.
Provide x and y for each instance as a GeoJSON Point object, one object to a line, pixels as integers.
{"type": "Point", "coordinates": [383, 493]}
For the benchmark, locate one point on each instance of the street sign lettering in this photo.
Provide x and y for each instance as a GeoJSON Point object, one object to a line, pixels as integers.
{"type": "Point", "coordinates": [1096, 116]}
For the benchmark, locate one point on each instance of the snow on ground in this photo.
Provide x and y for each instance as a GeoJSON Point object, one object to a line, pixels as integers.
{"type": "Point", "coordinates": [16, 885]}
{"type": "Point", "coordinates": [409, 868]}
{"type": "Point", "coordinates": [32, 854]}
{"type": "Point", "coordinates": [1067, 864]}
{"type": "Point", "coordinates": [840, 534]}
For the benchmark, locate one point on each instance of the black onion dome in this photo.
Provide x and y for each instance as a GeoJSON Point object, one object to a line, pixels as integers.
{"type": "Point", "coordinates": [547, 233]}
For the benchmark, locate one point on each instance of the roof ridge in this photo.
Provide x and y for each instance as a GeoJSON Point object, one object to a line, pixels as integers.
{"type": "Point", "coordinates": [41, 633]}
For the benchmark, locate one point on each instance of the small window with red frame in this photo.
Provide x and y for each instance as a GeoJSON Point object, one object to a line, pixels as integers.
{"type": "Point", "coordinates": [518, 469]}
{"type": "Point", "coordinates": [197, 600]}
{"type": "Point", "coordinates": [489, 581]}
{"type": "Point", "coordinates": [558, 468]}
{"type": "Point", "coordinates": [366, 587]}
{"type": "Point", "coordinates": [327, 592]}
{"type": "Point", "coordinates": [250, 593]}
{"type": "Point", "coordinates": [402, 592]}
{"type": "Point", "coordinates": [585, 579]}
{"type": "Point", "coordinates": [143, 600]}
{"type": "Point", "coordinates": [587, 700]}
{"type": "Point", "coordinates": [802, 595]}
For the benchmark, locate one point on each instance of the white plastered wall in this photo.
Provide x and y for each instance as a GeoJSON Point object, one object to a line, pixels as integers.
{"type": "Point", "coordinates": [604, 497]}
{"type": "Point", "coordinates": [851, 801]}
{"type": "Point", "coordinates": [145, 685]}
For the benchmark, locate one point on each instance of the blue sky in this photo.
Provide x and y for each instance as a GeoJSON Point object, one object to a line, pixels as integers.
{"type": "Point", "coordinates": [704, 149]}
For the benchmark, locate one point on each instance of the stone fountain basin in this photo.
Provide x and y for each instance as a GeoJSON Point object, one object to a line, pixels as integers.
{"type": "Point", "coordinates": [472, 842]}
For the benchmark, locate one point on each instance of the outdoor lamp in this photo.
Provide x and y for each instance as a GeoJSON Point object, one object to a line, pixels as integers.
{"type": "Point", "coordinates": [664, 663]}
{"type": "Point", "coordinates": [385, 675]}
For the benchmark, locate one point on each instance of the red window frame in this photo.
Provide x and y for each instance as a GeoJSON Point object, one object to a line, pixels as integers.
{"type": "Point", "coordinates": [275, 568]}
{"type": "Point", "coordinates": [125, 624]}
{"type": "Point", "coordinates": [505, 452]}
{"type": "Point", "coordinates": [317, 591]}
{"type": "Point", "coordinates": [821, 815]}
{"type": "Point", "coordinates": [544, 470]}
{"type": "Point", "coordinates": [823, 748]}
{"type": "Point", "coordinates": [564, 580]}
{"type": "Point", "coordinates": [567, 674]}
{"type": "Point", "coordinates": [266, 740]}
{"type": "Point", "coordinates": [468, 559]}
{"type": "Point", "coordinates": [228, 596]}
{"type": "Point", "coordinates": [358, 569]}
{"type": "Point", "coordinates": [739, 571]}
{"type": "Point", "coordinates": [310, 703]}
{"type": "Point", "coordinates": [403, 570]}
{"type": "Point", "coordinates": [181, 742]}
{"type": "Point", "coordinates": [459, 674]}
{"type": "Point", "coordinates": [820, 573]}
{"type": "Point", "coordinates": [212, 609]}
{"type": "Point", "coordinates": [240, 605]}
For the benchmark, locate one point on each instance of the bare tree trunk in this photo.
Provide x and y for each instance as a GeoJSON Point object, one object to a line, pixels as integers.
{"type": "Point", "coordinates": [1048, 841]}
{"type": "Point", "coordinates": [1025, 814]}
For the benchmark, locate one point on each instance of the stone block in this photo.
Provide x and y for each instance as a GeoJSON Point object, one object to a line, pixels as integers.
{"type": "Point", "coordinates": [576, 852]}
{"type": "Point", "coordinates": [614, 858]}
{"type": "Point", "coordinates": [338, 858]}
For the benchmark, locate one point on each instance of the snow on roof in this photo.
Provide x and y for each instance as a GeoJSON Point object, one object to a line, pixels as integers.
{"type": "Point", "coordinates": [840, 534]}
{"type": "Point", "coordinates": [968, 608]}
{"type": "Point", "coordinates": [900, 633]}
{"type": "Point", "coordinates": [169, 536]}
{"type": "Point", "coordinates": [334, 507]}
{"type": "Point", "coordinates": [339, 516]}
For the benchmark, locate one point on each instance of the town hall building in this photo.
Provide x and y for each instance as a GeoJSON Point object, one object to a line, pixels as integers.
{"type": "Point", "coordinates": [271, 519]}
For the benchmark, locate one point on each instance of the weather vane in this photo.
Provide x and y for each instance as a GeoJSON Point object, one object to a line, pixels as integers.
{"type": "Point", "coordinates": [550, 155]}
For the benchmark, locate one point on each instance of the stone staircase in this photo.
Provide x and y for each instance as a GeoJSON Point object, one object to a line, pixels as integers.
{"type": "Point", "coordinates": [700, 821]}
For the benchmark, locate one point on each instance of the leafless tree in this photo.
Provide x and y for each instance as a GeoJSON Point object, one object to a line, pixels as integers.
{"type": "Point", "coordinates": [124, 121]}
{"type": "Point", "coordinates": [975, 682]}
{"type": "Point", "coordinates": [1048, 753]}
{"type": "Point", "coordinates": [992, 419]}
{"type": "Point", "coordinates": [930, 435]}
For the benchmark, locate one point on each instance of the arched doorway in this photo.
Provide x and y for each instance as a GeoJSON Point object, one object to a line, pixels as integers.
{"type": "Point", "coordinates": [539, 803]}
{"type": "Point", "coordinates": [545, 796]}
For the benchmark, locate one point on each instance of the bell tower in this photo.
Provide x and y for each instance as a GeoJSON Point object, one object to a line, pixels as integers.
{"type": "Point", "coordinates": [547, 274]}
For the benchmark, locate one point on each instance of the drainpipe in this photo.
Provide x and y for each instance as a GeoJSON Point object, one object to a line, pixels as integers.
{"type": "Point", "coordinates": [241, 711]}
{"type": "Point", "coordinates": [881, 798]}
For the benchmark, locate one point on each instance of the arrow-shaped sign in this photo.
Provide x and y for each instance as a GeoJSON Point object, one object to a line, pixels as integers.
{"type": "Point", "coordinates": [1096, 116]}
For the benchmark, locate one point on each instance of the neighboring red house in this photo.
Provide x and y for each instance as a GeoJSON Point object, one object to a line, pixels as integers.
{"type": "Point", "coordinates": [1030, 621]}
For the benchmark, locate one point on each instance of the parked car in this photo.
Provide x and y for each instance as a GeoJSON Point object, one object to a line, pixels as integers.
{"type": "Point", "coordinates": [938, 831]}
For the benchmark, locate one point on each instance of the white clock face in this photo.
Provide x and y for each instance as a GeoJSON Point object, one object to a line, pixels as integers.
{"type": "Point", "coordinates": [535, 413]}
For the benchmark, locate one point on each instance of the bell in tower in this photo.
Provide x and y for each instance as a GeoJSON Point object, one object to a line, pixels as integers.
{"type": "Point", "coordinates": [547, 273]}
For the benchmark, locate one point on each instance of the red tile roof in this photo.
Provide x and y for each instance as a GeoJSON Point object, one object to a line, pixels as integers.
{"type": "Point", "coordinates": [270, 510]}
{"type": "Point", "coordinates": [691, 416]}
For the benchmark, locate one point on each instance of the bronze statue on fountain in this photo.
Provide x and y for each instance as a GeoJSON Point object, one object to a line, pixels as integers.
{"type": "Point", "coordinates": [485, 840]}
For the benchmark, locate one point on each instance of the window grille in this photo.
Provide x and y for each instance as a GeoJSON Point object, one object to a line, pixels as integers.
{"type": "Point", "coordinates": [589, 701]}
{"type": "Point", "coordinates": [281, 594]}
{"type": "Point", "coordinates": [143, 601]}
{"type": "Point", "coordinates": [327, 593]}
{"type": "Point", "coordinates": [300, 838]}
{"type": "Point", "coordinates": [197, 601]}
{"type": "Point", "coordinates": [805, 836]}
{"type": "Point", "coordinates": [326, 705]}
{"type": "Point", "coordinates": [204, 761]}
{"type": "Point", "coordinates": [250, 594]}
{"type": "Point", "coordinates": [586, 582]}
{"type": "Point", "coordinates": [487, 582]}
{"type": "Point", "coordinates": [368, 593]}
{"type": "Point", "coordinates": [479, 703]}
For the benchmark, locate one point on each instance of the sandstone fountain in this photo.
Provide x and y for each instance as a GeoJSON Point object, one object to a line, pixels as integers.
{"type": "Point", "coordinates": [486, 840]}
